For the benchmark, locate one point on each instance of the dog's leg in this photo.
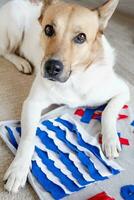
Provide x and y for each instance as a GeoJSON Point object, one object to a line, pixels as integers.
{"type": "Point", "coordinates": [16, 175]}
{"type": "Point", "coordinates": [21, 64]}
{"type": "Point", "coordinates": [110, 141]}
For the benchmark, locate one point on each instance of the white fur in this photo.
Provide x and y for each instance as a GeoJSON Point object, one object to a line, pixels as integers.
{"type": "Point", "coordinates": [96, 86]}
{"type": "Point", "coordinates": [16, 19]}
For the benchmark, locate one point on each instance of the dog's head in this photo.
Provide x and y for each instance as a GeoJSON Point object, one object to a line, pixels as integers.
{"type": "Point", "coordinates": [71, 37]}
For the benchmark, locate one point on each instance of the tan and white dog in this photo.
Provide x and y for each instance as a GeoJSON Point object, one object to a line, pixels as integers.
{"type": "Point", "coordinates": [17, 40]}
{"type": "Point", "coordinates": [76, 70]}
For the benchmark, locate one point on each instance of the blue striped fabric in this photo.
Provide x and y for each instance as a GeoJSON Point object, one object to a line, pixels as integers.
{"type": "Point", "coordinates": [63, 162]}
{"type": "Point", "coordinates": [86, 118]}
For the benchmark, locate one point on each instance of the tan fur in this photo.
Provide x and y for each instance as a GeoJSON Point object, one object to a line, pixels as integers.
{"type": "Point", "coordinates": [105, 12]}
{"type": "Point", "coordinates": [68, 21]}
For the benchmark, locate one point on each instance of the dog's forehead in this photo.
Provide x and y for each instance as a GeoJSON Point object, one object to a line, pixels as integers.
{"type": "Point", "coordinates": [85, 19]}
{"type": "Point", "coordinates": [77, 16]}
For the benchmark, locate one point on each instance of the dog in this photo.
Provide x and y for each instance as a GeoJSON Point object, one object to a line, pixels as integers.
{"type": "Point", "coordinates": [16, 19]}
{"type": "Point", "coordinates": [76, 70]}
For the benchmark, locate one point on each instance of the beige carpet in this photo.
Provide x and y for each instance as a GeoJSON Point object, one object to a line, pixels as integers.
{"type": "Point", "coordinates": [14, 88]}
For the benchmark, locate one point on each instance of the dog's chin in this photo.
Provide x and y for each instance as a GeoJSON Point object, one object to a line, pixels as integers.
{"type": "Point", "coordinates": [61, 79]}
{"type": "Point", "coordinates": [58, 79]}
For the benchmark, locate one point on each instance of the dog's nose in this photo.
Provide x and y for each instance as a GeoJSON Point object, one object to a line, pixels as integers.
{"type": "Point", "coordinates": [53, 69]}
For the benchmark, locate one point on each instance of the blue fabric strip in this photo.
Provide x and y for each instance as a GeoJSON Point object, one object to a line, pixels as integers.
{"type": "Point", "coordinates": [95, 150]}
{"type": "Point", "coordinates": [64, 157]}
{"type": "Point", "coordinates": [57, 172]}
{"type": "Point", "coordinates": [11, 137]}
{"type": "Point", "coordinates": [86, 118]}
{"type": "Point", "coordinates": [18, 129]}
{"type": "Point", "coordinates": [101, 108]}
{"type": "Point", "coordinates": [71, 167]}
{"type": "Point", "coordinates": [132, 124]}
{"type": "Point", "coordinates": [56, 191]}
{"type": "Point", "coordinates": [127, 192]}
{"type": "Point", "coordinates": [81, 155]}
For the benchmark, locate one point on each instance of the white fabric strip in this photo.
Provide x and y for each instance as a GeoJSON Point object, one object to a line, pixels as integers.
{"type": "Point", "coordinates": [65, 149]}
{"type": "Point", "coordinates": [70, 137]}
{"type": "Point", "coordinates": [49, 174]}
{"type": "Point", "coordinates": [89, 139]}
{"type": "Point", "coordinates": [53, 156]}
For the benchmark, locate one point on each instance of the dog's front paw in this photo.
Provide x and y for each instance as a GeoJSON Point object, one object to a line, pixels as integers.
{"type": "Point", "coordinates": [23, 66]}
{"type": "Point", "coordinates": [16, 176]}
{"type": "Point", "coordinates": [111, 146]}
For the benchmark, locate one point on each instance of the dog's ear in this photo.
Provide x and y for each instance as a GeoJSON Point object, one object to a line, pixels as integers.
{"type": "Point", "coordinates": [46, 3]}
{"type": "Point", "coordinates": [105, 12]}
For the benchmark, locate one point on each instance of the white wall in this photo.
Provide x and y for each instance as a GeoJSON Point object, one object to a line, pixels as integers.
{"type": "Point", "coordinates": [126, 6]}
{"type": "Point", "coordinates": [2, 2]}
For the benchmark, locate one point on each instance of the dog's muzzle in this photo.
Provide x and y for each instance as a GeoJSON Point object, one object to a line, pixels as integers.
{"type": "Point", "coordinates": [53, 70]}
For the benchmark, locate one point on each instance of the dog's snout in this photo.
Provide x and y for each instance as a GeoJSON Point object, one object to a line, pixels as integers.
{"type": "Point", "coordinates": [53, 69]}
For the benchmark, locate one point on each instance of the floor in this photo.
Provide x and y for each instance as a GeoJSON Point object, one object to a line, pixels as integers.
{"type": "Point", "coordinates": [14, 88]}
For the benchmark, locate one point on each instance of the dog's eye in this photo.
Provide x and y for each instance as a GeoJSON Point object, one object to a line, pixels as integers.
{"type": "Point", "coordinates": [80, 38]}
{"type": "Point", "coordinates": [49, 30]}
